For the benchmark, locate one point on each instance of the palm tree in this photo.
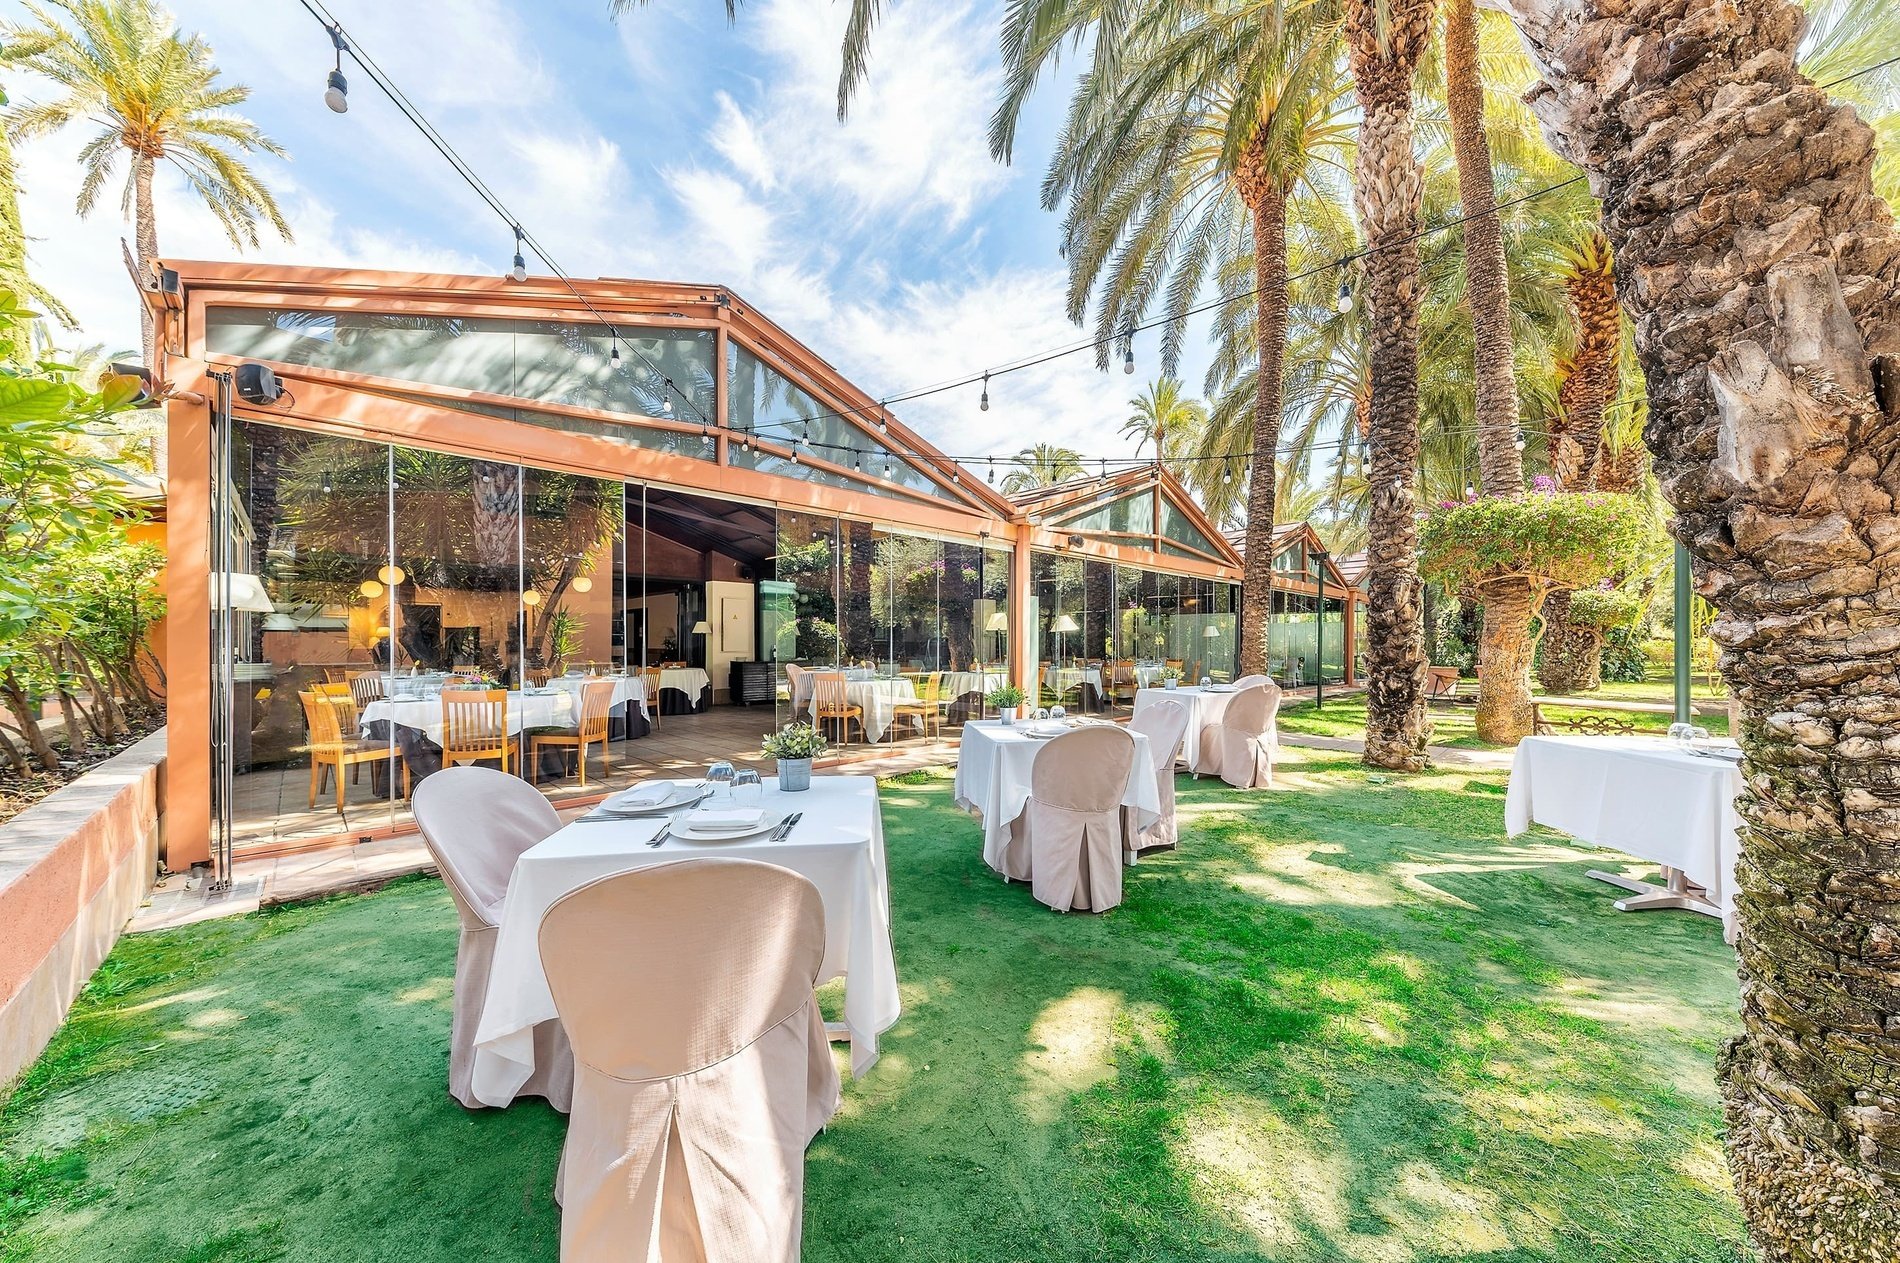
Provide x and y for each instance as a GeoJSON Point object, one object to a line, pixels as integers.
{"type": "Point", "coordinates": [1386, 39]}
{"type": "Point", "coordinates": [1192, 131]}
{"type": "Point", "coordinates": [1043, 465]}
{"type": "Point", "coordinates": [1772, 429]}
{"type": "Point", "coordinates": [152, 93]}
{"type": "Point", "coordinates": [855, 53]}
{"type": "Point", "coordinates": [1163, 415]}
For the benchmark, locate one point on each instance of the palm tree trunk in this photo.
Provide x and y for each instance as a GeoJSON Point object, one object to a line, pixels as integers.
{"type": "Point", "coordinates": [145, 236]}
{"type": "Point", "coordinates": [1759, 266]}
{"type": "Point", "coordinates": [1386, 38]}
{"type": "Point", "coordinates": [1571, 656]}
{"type": "Point", "coordinates": [1504, 681]}
{"type": "Point", "coordinates": [1589, 376]}
{"type": "Point", "coordinates": [1487, 284]}
{"type": "Point", "coordinates": [1268, 205]}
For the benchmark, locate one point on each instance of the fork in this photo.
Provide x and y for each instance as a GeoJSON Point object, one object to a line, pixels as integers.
{"type": "Point", "coordinates": [785, 830]}
{"type": "Point", "coordinates": [661, 836]}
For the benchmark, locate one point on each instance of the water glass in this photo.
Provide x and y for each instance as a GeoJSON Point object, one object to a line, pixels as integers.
{"type": "Point", "coordinates": [1682, 735]}
{"type": "Point", "coordinates": [1056, 712]}
{"type": "Point", "coordinates": [746, 789]}
{"type": "Point", "coordinates": [1207, 681]}
{"type": "Point", "coordinates": [719, 781]}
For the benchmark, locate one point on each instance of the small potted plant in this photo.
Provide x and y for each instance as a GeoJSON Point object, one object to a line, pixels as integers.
{"type": "Point", "coordinates": [1007, 699]}
{"type": "Point", "coordinates": [1170, 677]}
{"type": "Point", "coordinates": [795, 746]}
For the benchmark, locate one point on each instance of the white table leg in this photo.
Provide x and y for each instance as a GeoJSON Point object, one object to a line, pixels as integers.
{"type": "Point", "coordinates": [1677, 892]}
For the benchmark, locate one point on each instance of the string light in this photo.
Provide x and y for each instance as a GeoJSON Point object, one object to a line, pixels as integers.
{"type": "Point", "coordinates": [1518, 442]}
{"type": "Point", "coordinates": [1128, 351]}
{"type": "Point", "coordinates": [705, 438]}
{"type": "Point", "coordinates": [520, 270]}
{"type": "Point", "coordinates": [613, 356]}
{"type": "Point", "coordinates": [1344, 304]}
{"type": "Point", "coordinates": [336, 90]}
{"type": "Point", "coordinates": [983, 404]}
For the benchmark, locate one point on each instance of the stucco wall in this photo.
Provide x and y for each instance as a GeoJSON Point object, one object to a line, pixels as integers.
{"type": "Point", "coordinates": [73, 869]}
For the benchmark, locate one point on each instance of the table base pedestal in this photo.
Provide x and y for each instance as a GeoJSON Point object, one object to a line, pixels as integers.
{"type": "Point", "coordinates": [1677, 892]}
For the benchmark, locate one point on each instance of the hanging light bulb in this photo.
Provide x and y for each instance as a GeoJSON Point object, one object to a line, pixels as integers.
{"type": "Point", "coordinates": [613, 356]}
{"type": "Point", "coordinates": [857, 463]}
{"type": "Point", "coordinates": [745, 444]}
{"type": "Point", "coordinates": [583, 584]}
{"type": "Point", "coordinates": [956, 477]}
{"type": "Point", "coordinates": [794, 453]}
{"type": "Point", "coordinates": [1345, 299]}
{"type": "Point", "coordinates": [887, 467]}
{"type": "Point", "coordinates": [984, 403]}
{"type": "Point", "coordinates": [1469, 492]}
{"type": "Point", "coordinates": [883, 421]}
{"type": "Point", "coordinates": [705, 437]}
{"type": "Point", "coordinates": [1398, 484]}
{"type": "Point", "coordinates": [666, 400]}
{"type": "Point", "coordinates": [992, 473]}
{"type": "Point", "coordinates": [326, 482]}
{"type": "Point", "coordinates": [1518, 442]}
{"type": "Point", "coordinates": [336, 91]}
{"type": "Point", "coordinates": [1128, 353]}
{"type": "Point", "coordinates": [520, 270]}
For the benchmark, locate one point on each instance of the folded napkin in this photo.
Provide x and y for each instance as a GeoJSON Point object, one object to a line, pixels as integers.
{"type": "Point", "coordinates": [1220, 688]}
{"type": "Point", "coordinates": [648, 795]}
{"type": "Point", "coordinates": [728, 821]}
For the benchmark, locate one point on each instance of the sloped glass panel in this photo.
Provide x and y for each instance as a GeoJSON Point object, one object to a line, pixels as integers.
{"type": "Point", "coordinates": [1131, 515]}
{"type": "Point", "coordinates": [552, 361]}
{"type": "Point", "coordinates": [1176, 526]}
{"type": "Point", "coordinates": [764, 402]}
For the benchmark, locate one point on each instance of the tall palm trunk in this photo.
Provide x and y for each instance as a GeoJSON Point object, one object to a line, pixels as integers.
{"type": "Point", "coordinates": [1266, 199]}
{"type": "Point", "coordinates": [1386, 38]}
{"type": "Point", "coordinates": [145, 237]}
{"type": "Point", "coordinates": [1504, 681]}
{"type": "Point", "coordinates": [1572, 658]}
{"type": "Point", "coordinates": [1760, 267]}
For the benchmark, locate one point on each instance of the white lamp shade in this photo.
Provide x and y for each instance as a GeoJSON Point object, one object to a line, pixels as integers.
{"type": "Point", "coordinates": [701, 628]}
{"type": "Point", "coordinates": [1210, 631]}
{"type": "Point", "coordinates": [999, 621]}
{"type": "Point", "coordinates": [243, 592]}
{"type": "Point", "coordinates": [1064, 623]}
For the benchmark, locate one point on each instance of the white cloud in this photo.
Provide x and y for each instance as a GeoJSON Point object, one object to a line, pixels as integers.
{"type": "Point", "coordinates": [734, 136]}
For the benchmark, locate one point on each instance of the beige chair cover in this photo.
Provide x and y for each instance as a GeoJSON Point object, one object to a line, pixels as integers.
{"type": "Point", "coordinates": [703, 1067]}
{"type": "Point", "coordinates": [1071, 829]}
{"type": "Point", "coordinates": [477, 822]}
{"type": "Point", "coordinates": [1246, 680]}
{"type": "Point", "coordinates": [1239, 749]}
{"type": "Point", "coordinates": [1162, 723]}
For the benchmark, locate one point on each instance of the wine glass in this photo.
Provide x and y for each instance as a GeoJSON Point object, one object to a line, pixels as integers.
{"type": "Point", "coordinates": [719, 779]}
{"type": "Point", "coordinates": [747, 791]}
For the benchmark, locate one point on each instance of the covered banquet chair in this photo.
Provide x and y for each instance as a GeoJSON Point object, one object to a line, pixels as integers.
{"type": "Point", "coordinates": [1071, 829]}
{"type": "Point", "coordinates": [702, 1066]}
{"type": "Point", "coordinates": [1239, 749]}
{"type": "Point", "coordinates": [477, 822]}
{"type": "Point", "coordinates": [1162, 723]}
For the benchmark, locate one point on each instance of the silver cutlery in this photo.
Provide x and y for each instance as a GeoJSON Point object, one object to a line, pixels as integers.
{"type": "Point", "coordinates": [784, 830]}
{"type": "Point", "coordinates": [661, 836]}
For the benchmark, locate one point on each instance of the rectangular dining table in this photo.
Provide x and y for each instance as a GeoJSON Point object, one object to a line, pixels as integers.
{"type": "Point", "coordinates": [994, 766]}
{"type": "Point", "coordinates": [1642, 796]}
{"type": "Point", "coordinates": [838, 846]}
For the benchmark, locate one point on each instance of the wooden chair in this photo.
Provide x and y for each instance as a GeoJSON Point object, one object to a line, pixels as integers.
{"type": "Point", "coordinates": [366, 687]}
{"type": "Point", "coordinates": [538, 677]}
{"type": "Point", "coordinates": [336, 675]}
{"type": "Point", "coordinates": [597, 697]}
{"type": "Point", "coordinates": [335, 746]}
{"type": "Point", "coordinates": [830, 701]}
{"type": "Point", "coordinates": [1194, 676]}
{"type": "Point", "coordinates": [475, 727]}
{"type": "Point", "coordinates": [343, 697]}
{"type": "Point", "coordinates": [929, 704]}
{"type": "Point", "coordinates": [650, 681]}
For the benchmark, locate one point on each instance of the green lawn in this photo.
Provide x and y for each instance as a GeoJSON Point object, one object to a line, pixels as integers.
{"type": "Point", "coordinates": [1346, 717]}
{"type": "Point", "coordinates": [1343, 1022]}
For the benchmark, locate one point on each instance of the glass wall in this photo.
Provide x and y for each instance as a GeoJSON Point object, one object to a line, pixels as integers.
{"type": "Point", "coordinates": [1298, 638]}
{"type": "Point", "coordinates": [1104, 630]}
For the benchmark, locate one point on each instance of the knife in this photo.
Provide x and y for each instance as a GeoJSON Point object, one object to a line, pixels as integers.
{"type": "Point", "coordinates": [784, 831]}
{"type": "Point", "coordinates": [661, 836]}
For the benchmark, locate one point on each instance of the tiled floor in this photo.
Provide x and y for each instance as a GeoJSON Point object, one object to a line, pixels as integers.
{"type": "Point", "coordinates": [681, 745]}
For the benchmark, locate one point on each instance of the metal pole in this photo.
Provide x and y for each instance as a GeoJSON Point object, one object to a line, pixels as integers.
{"type": "Point", "coordinates": [1683, 636]}
{"type": "Point", "coordinates": [223, 641]}
{"type": "Point", "coordinates": [1319, 638]}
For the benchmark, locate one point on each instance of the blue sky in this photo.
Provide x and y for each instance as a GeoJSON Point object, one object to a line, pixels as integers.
{"type": "Point", "coordinates": [667, 145]}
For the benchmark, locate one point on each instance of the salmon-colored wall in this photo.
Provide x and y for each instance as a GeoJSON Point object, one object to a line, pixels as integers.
{"type": "Point", "coordinates": [153, 533]}
{"type": "Point", "coordinates": [55, 855]}
{"type": "Point", "coordinates": [188, 612]}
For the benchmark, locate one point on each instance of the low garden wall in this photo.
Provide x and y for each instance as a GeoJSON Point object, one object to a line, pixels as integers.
{"type": "Point", "coordinates": [73, 869]}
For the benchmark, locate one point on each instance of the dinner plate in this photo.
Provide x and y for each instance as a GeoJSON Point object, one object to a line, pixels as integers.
{"type": "Point", "coordinates": [1219, 688]}
{"type": "Point", "coordinates": [682, 828]}
{"type": "Point", "coordinates": [682, 795]}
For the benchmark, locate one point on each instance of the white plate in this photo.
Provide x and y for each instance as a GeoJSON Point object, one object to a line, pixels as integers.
{"type": "Point", "coordinates": [1220, 688]}
{"type": "Point", "coordinates": [680, 796]}
{"type": "Point", "coordinates": [682, 828]}
{"type": "Point", "coordinates": [1043, 734]}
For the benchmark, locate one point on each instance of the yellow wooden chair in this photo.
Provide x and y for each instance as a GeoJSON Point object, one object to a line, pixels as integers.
{"type": "Point", "coordinates": [538, 677]}
{"type": "Point", "coordinates": [929, 704]}
{"type": "Point", "coordinates": [366, 687]}
{"type": "Point", "coordinates": [650, 681]}
{"type": "Point", "coordinates": [334, 744]}
{"type": "Point", "coordinates": [597, 698]}
{"type": "Point", "coordinates": [830, 702]}
{"type": "Point", "coordinates": [475, 727]}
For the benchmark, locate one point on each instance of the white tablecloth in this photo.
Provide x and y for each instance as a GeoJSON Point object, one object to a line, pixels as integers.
{"type": "Point", "coordinates": [956, 684]}
{"type": "Point", "coordinates": [688, 680]}
{"type": "Point", "coordinates": [1063, 680]}
{"type": "Point", "coordinates": [1204, 710]}
{"type": "Point", "coordinates": [552, 709]}
{"type": "Point", "coordinates": [993, 770]}
{"type": "Point", "coordinates": [1639, 795]}
{"type": "Point", "coordinates": [626, 689]}
{"type": "Point", "coordinates": [878, 699]}
{"type": "Point", "coordinates": [839, 846]}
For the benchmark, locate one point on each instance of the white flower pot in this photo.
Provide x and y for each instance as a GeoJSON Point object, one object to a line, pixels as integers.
{"type": "Point", "coordinates": [1008, 715]}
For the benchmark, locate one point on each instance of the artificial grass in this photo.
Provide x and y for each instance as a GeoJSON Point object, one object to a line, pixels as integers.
{"type": "Point", "coordinates": [1457, 726]}
{"type": "Point", "coordinates": [1344, 1021]}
